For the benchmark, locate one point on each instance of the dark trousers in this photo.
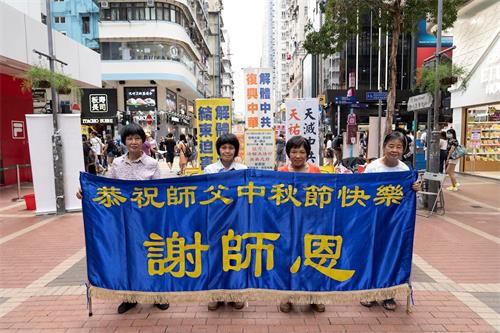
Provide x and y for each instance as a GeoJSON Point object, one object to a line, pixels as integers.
{"type": "Point", "coordinates": [443, 154]}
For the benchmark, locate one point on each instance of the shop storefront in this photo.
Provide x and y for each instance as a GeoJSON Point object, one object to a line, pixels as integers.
{"type": "Point", "coordinates": [476, 115]}
{"type": "Point", "coordinates": [99, 107]}
{"type": "Point", "coordinates": [482, 139]}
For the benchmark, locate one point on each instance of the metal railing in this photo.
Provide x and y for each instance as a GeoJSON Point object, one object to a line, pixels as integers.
{"type": "Point", "coordinates": [18, 177]}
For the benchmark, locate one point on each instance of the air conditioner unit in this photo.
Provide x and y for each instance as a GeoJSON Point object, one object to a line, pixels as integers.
{"type": "Point", "coordinates": [104, 4]}
{"type": "Point", "coordinates": [150, 3]}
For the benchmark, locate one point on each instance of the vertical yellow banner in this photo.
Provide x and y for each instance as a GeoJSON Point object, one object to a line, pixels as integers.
{"type": "Point", "coordinates": [214, 119]}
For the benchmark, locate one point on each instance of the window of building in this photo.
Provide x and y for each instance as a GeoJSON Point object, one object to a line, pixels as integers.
{"type": "Point", "coordinates": [60, 19]}
{"type": "Point", "coordinates": [138, 11]}
{"type": "Point", "coordinates": [85, 24]}
{"type": "Point", "coordinates": [147, 50]}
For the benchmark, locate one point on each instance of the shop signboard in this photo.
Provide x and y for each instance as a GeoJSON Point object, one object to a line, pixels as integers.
{"type": "Point", "coordinates": [140, 98]}
{"type": "Point", "coordinates": [99, 106]}
{"type": "Point", "coordinates": [214, 119]}
{"type": "Point", "coordinates": [258, 98]}
{"type": "Point", "coordinates": [259, 149]}
{"type": "Point", "coordinates": [302, 118]}
{"type": "Point", "coordinates": [420, 102]}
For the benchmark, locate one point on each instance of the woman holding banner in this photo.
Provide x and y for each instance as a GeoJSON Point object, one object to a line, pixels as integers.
{"type": "Point", "coordinates": [393, 148]}
{"type": "Point", "coordinates": [227, 146]}
{"type": "Point", "coordinates": [298, 149]}
{"type": "Point", "coordinates": [135, 165]}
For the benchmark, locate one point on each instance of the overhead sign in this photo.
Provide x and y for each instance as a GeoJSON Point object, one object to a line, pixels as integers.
{"type": "Point", "coordinates": [376, 95]}
{"type": "Point", "coordinates": [18, 130]}
{"type": "Point", "coordinates": [345, 99]}
{"type": "Point", "coordinates": [419, 102]}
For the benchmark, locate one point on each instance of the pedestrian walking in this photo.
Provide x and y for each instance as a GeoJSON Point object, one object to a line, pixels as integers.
{"type": "Point", "coordinates": [338, 145]}
{"type": "Point", "coordinates": [328, 151]}
{"type": "Point", "coordinates": [450, 162]}
{"type": "Point", "coordinates": [170, 150]}
{"type": "Point", "coordinates": [110, 149]}
{"type": "Point", "coordinates": [89, 156]}
{"type": "Point", "coordinates": [135, 165]}
{"type": "Point", "coordinates": [96, 144]}
{"type": "Point", "coordinates": [298, 149]}
{"type": "Point", "coordinates": [183, 154]}
{"type": "Point", "coordinates": [443, 151]}
{"type": "Point", "coordinates": [393, 149]}
{"type": "Point", "coordinates": [280, 151]}
{"type": "Point", "coordinates": [227, 146]}
{"type": "Point", "coordinates": [193, 145]}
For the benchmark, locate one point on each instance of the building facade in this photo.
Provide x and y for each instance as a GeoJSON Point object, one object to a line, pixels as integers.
{"type": "Point", "coordinates": [160, 56]}
{"type": "Point", "coordinates": [476, 108]}
{"type": "Point", "coordinates": [77, 19]}
{"type": "Point", "coordinates": [17, 57]}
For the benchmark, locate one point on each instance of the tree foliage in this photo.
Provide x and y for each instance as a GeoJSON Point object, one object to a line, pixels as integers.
{"type": "Point", "coordinates": [393, 17]}
{"type": "Point", "coordinates": [446, 75]}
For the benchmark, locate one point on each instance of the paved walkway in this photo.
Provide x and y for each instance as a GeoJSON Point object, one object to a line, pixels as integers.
{"type": "Point", "coordinates": [456, 276]}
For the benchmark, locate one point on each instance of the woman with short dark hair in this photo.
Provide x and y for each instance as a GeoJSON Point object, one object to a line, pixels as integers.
{"type": "Point", "coordinates": [298, 150]}
{"type": "Point", "coordinates": [228, 147]}
{"type": "Point", "coordinates": [393, 148]}
{"type": "Point", "coordinates": [135, 165]}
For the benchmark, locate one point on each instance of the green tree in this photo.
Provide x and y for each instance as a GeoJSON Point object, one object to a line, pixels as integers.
{"type": "Point", "coordinates": [393, 16]}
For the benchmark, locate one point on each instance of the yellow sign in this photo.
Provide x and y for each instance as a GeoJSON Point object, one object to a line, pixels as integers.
{"type": "Point", "coordinates": [214, 119]}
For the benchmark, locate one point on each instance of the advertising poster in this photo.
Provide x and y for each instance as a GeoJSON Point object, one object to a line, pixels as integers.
{"type": "Point", "coordinates": [214, 119]}
{"type": "Point", "coordinates": [171, 101]}
{"type": "Point", "coordinates": [302, 118]}
{"type": "Point", "coordinates": [258, 101]}
{"type": "Point", "coordinates": [182, 103]}
{"type": "Point", "coordinates": [259, 149]}
{"type": "Point", "coordinates": [140, 98]}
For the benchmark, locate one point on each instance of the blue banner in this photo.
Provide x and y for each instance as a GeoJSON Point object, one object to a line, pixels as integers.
{"type": "Point", "coordinates": [249, 233]}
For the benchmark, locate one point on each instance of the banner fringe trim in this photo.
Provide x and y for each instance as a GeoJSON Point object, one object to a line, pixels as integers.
{"type": "Point", "coordinates": [244, 295]}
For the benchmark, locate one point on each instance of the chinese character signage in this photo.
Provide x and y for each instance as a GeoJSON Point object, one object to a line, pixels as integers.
{"type": "Point", "coordinates": [140, 98]}
{"type": "Point", "coordinates": [302, 118]}
{"type": "Point", "coordinates": [99, 106]}
{"type": "Point", "coordinates": [259, 149]}
{"type": "Point", "coordinates": [250, 233]}
{"type": "Point", "coordinates": [214, 119]}
{"type": "Point", "coordinates": [258, 98]}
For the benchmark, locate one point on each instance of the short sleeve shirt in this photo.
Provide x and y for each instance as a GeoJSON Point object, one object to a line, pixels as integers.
{"type": "Point", "coordinates": [219, 167]}
{"type": "Point", "coordinates": [379, 166]}
{"type": "Point", "coordinates": [144, 168]}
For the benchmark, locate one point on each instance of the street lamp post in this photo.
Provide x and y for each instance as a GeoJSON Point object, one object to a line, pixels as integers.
{"type": "Point", "coordinates": [56, 136]}
{"type": "Point", "coordinates": [433, 155]}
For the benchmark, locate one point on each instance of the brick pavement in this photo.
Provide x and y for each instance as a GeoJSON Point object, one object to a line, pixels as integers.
{"type": "Point", "coordinates": [456, 280]}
